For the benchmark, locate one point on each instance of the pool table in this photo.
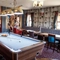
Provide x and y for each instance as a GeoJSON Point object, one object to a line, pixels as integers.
{"type": "Point", "coordinates": [16, 47]}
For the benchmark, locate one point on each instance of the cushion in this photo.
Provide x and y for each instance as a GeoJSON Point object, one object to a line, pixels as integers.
{"type": "Point", "coordinates": [51, 39]}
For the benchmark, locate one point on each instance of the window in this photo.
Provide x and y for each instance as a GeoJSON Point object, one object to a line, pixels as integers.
{"type": "Point", "coordinates": [29, 20]}
{"type": "Point", "coordinates": [58, 22]}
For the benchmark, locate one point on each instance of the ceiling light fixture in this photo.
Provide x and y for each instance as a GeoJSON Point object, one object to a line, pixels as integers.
{"type": "Point", "coordinates": [12, 11]}
{"type": "Point", "coordinates": [37, 3]}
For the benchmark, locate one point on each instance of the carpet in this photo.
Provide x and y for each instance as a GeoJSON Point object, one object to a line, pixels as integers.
{"type": "Point", "coordinates": [49, 54]}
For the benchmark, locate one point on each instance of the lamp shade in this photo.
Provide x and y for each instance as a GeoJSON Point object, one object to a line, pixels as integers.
{"type": "Point", "coordinates": [18, 10]}
{"type": "Point", "coordinates": [9, 12]}
{"type": "Point", "coordinates": [3, 13]}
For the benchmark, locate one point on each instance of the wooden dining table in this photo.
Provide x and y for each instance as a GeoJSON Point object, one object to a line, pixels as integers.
{"type": "Point", "coordinates": [44, 34]}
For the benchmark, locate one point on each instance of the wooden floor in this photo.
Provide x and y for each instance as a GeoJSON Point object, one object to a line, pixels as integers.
{"type": "Point", "coordinates": [45, 59]}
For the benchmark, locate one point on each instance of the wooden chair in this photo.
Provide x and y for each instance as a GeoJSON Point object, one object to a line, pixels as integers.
{"type": "Point", "coordinates": [52, 42]}
{"type": "Point", "coordinates": [24, 32]}
{"type": "Point", "coordinates": [58, 47]}
{"type": "Point", "coordinates": [31, 34]}
{"type": "Point", "coordinates": [40, 37]}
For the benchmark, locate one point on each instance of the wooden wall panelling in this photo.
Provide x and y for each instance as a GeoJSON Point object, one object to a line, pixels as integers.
{"type": "Point", "coordinates": [0, 21]}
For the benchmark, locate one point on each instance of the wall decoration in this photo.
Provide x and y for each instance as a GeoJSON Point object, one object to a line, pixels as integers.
{"type": "Point", "coordinates": [44, 16]}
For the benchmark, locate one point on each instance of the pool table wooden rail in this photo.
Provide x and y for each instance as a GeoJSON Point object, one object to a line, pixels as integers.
{"type": "Point", "coordinates": [30, 53]}
{"type": "Point", "coordinates": [24, 54]}
{"type": "Point", "coordinates": [5, 52]}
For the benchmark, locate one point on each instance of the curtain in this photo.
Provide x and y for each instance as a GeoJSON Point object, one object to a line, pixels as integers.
{"type": "Point", "coordinates": [55, 18]}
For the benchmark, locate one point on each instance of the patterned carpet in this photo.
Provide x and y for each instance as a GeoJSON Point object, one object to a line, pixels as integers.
{"type": "Point", "coordinates": [49, 54]}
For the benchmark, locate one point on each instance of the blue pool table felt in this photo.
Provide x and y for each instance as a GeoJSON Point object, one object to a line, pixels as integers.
{"type": "Point", "coordinates": [16, 42]}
